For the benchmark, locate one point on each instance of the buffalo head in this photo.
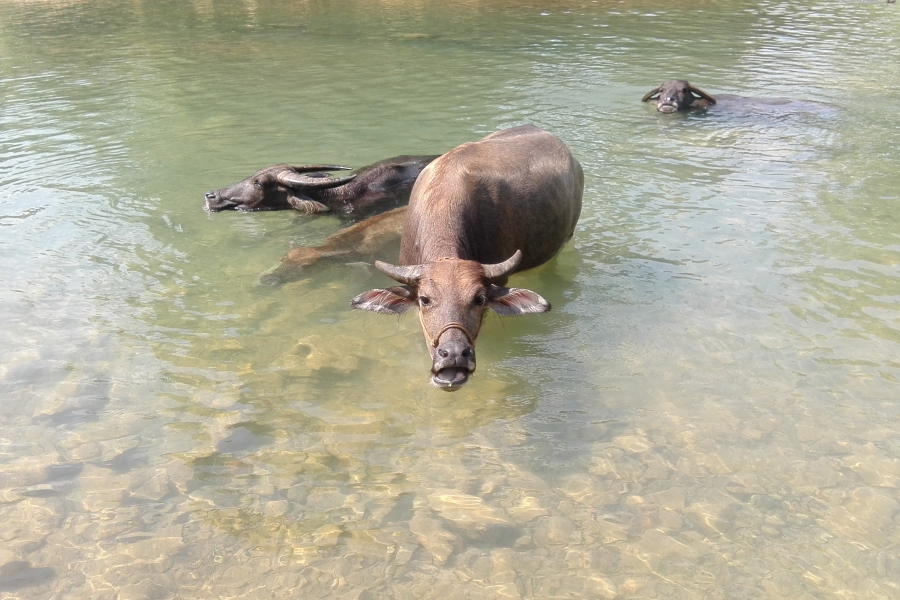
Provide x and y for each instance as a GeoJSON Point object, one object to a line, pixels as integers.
{"type": "Point", "coordinates": [675, 95]}
{"type": "Point", "coordinates": [453, 296]}
{"type": "Point", "coordinates": [278, 187]}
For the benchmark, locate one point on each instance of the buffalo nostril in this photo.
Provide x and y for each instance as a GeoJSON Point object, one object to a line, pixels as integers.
{"type": "Point", "coordinates": [443, 353]}
{"type": "Point", "coordinates": [466, 353]}
{"type": "Point", "coordinates": [210, 195]}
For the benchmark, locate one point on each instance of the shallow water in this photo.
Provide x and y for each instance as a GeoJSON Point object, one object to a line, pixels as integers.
{"type": "Point", "coordinates": [710, 410]}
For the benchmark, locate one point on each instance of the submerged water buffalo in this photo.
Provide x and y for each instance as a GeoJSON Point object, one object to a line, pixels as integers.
{"type": "Point", "coordinates": [676, 94]}
{"type": "Point", "coordinates": [479, 213]}
{"type": "Point", "coordinates": [372, 189]}
{"type": "Point", "coordinates": [364, 240]}
{"type": "Point", "coordinates": [679, 95]}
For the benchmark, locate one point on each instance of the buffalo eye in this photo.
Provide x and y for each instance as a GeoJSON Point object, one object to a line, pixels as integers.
{"type": "Point", "coordinates": [479, 300]}
{"type": "Point", "coordinates": [257, 183]}
{"type": "Point", "coordinates": [424, 301]}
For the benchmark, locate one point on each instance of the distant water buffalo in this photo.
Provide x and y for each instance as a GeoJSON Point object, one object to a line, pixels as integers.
{"type": "Point", "coordinates": [309, 189]}
{"type": "Point", "coordinates": [679, 95]}
{"type": "Point", "coordinates": [479, 213]}
{"type": "Point", "coordinates": [676, 94]}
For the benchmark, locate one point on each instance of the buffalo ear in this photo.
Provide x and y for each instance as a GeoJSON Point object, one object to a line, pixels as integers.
{"type": "Point", "coordinates": [510, 302]}
{"type": "Point", "coordinates": [390, 301]}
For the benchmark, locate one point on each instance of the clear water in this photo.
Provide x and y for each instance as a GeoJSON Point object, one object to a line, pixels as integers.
{"type": "Point", "coordinates": [712, 409]}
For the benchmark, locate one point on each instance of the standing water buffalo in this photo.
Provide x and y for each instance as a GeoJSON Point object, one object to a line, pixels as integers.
{"type": "Point", "coordinates": [676, 94]}
{"type": "Point", "coordinates": [479, 213]}
{"type": "Point", "coordinates": [372, 189]}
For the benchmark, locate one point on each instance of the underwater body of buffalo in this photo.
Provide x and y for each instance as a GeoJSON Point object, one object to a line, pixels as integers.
{"type": "Point", "coordinates": [364, 240]}
{"type": "Point", "coordinates": [372, 189]}
{"type": "Point", "coordinates": [676, 95]}
{"type": "Point", "coordinates": [477, 214]}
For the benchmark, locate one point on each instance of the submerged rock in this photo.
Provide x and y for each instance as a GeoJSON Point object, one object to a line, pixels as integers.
{"type": "Point", "coordinates": [430, 532]}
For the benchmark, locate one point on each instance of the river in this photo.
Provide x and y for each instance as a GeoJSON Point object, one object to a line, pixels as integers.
{"type": "Point", "coordinates": [710, 410]}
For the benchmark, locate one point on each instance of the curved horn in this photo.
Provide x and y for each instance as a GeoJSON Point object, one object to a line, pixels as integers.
{"type": "Point", "coordinates": [408, 275]}
{"type": "Point", "coordinates": [309, 168]}
{"type": "Point", "coordinates": [293, 179]}
{"type": "Point", "coordinates": [651, 93]}
{"type": "Point", "coordinates": [504, 269]}
{"type": "Point", "coordinates": [702, 94]}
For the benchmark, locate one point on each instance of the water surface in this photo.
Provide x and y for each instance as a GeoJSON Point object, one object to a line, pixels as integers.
{"type": "Point", "coordinates": [710, 410]}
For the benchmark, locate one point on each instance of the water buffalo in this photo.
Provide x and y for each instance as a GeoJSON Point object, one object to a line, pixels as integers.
{"type": "Point", "coordinates": [479, 213]}
{"type": "Point", "coordinates": [372, 189]}
{"type": "Point", "coordinates": [676, 94]}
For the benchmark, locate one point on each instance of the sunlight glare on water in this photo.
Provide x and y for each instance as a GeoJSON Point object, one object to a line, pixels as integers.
{"type": "Point", "coordinates": [709, 410]}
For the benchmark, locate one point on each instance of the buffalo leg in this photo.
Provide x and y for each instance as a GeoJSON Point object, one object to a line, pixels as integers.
{"type": "Point", "coordinates": [361, 240]}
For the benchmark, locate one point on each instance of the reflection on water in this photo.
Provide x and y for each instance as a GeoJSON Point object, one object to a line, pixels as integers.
{"type": "Point", "coordinates": [709, 410]}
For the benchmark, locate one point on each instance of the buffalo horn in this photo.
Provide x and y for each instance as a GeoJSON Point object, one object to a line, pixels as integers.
{"type": "Point", "coordinates": [408, 275]}
{"type": "Point", "coordinates": [651, 93]}
{"type": "Point", "coordinates": [296, 179]}
{"type": "Point", "coordinates": [311, 168]}
{"type": "Point", "coordinates": [500, 271]}
{"type": "Point", "coordinates": [702, 94]}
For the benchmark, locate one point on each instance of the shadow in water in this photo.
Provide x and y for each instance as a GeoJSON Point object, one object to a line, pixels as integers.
{"type": "Point", "coordinates": [20, 574]}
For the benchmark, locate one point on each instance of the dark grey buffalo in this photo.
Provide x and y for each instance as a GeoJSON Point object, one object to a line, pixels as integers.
{"type": "Point", "coordinates": [478, 214]}
{"type": "Point", "coordinates": [676, 95]}
{"type": "Point", "coordinates": [310, 189]}
{"type": "Point", "coordinates": [679, 95]}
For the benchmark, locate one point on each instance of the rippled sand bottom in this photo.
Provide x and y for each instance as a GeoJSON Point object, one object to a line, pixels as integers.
{"type": "Point", "coordinates": [683, 505]}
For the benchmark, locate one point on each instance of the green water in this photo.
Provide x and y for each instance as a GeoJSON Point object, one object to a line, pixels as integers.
{"type": "Point", "coordinates": [710, 410]}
